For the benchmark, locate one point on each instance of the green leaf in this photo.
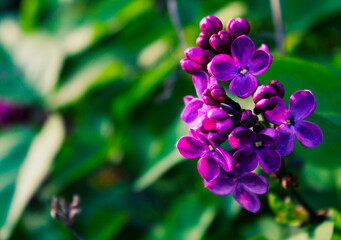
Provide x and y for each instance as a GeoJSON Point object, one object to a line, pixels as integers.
{"type": "Point", "coordinates": [286, 212]}
{"type": "Point", "coordinates": [323, 231]}
{"type": "Point", "coordinates": [33, 170]}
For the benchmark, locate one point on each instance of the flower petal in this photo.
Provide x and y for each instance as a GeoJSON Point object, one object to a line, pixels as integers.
{"type": "Point", "coordinates": [187, 99]}
{"type": "Point", "coordinates": [190, 147]}
{"type": "Point", "coordinates": [242, 50]}
{"type": "Point", "coordinates": [254, 183]}
{"type": "Point", "coordinates": [302, 104]}
{"type": "Point", "coordinates": [222, 67]}
{"type": "Point", "coordinates": [269, 160]}
{"type": "Point", "coordinates": [222, 185]}
{"type": "Point", "coordinates": [241, 137]}
{"type": "Point", "coordinates": [308, 133]}
{"type": "Point", "coordinates": [260, 62]}
{"type": "Point", "coordinates": [286, 137]}
{"type": "Point", "coordinates": [200, 80]}
{"type": "Point", "coordinates": [243, 85]}
{"type": "Point", "coordinates": [190, 112]}
{"type": "Point", "coordinates": [247, 200]}
{"type": "Point", "coordinates": [245, 159]}
{"type": "Point", "coordinates": [279, 114]}
{"type": "Point", "coordinates": [224, 158]}
{"type": "Point", "coordinates": [208, 167]}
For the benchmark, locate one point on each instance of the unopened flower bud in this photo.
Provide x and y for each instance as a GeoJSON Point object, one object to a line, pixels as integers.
{"type": "Point", "coordinates": [196, 59]}
{"type": "Point", "coordinates": [263, 91]}
{"type": "Point", "coordinates": [237, 27]}
{"type": "Point", "coordinates": [221, 42]}
{"type": "Point", "coordinates": [203, 41]}
{"type": "Point", "coordinates": [278, 87]}
{"type": "Point", "coordinates": [214, 95]}
{"type": "Point", "coordinates": [265, 104]}
{"type": "Point", "coordinates": [248, 119]}
{"type": "Point", "coordinates": [210, 25]}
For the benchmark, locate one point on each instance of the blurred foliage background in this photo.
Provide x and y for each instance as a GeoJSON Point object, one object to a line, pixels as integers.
{"type": "Point", "coordinates": [104, 82]}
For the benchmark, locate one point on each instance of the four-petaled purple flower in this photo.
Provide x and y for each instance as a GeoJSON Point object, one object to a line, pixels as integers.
{"type": "Point", "coordinates": [212, 156]}
{"type": "Point", "coordinates": [301, 105]}
{"type": "Point", "coordinates": [256, 147]}
{"type": "Point", "coordinates": [241, 67]}
{"type": "Point", "coordinates": [243, 185]}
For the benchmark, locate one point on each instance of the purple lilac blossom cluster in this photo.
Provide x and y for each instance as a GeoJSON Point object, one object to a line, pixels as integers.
{"type": "Point", "coordinates": [214, 118]}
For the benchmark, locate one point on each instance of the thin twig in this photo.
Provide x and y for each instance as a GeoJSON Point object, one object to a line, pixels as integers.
{"type": "Point", "coordinates": [278, 21]}
{"type": "Point", "coordinates": [76, 234]}
{"type": "Point", "coordinates": [175, 19]}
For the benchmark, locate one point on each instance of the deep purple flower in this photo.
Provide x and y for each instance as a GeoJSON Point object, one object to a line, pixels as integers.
{"type": "Point", "coordinates": [256, 147]}
{"type": "Point", "coordinates": [248, 119]}
{"type": "Point", "coordinates": [241, 67]}
{"type": "Point", "coordinates": [208, 91]}
{"type": "Point", "coordinates": [203, 41]}
{"type": "Point", "coordinates": [221, 42]}
{"type": "Point", "coordinates": [212, 157]}
{"type": "Point", "coordinates": [196, 59]}
{"type": "Point", "coordinates": [243, 185]}
{"type": "Point", "coordinates": [210, 25]}
{"type": "Point", "coordinates": [264, 98]}
{"type": "Point", "coordinates": [301, 105]}
{"type": "Point", "coordinates": [237, 27]}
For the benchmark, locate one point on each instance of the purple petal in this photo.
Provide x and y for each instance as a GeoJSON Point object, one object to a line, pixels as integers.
{"type": "Point", "coordinates": [260, 62]}
{"type": "Point", "coordinates": [245, 159]}
{"type": "Point", "coordinates": [217, 114]}
{"type": "Point", "coordinates": [225, 127]}
{"type": "Point", "coordinates": [243, 85]}
{"type": "Point", "coordinates": [279, 114]}
{"type": "Point", "coordinates": [242, 50]}
{"type": "Point", "coordinates": [224, 159]}
{"type": "Point", "coordinates": [187, 99]}
{"type": "Point", "coordinates": [200, 80]}
{"type": "Point", "coordinates": [222, 185]}
{"type": "Point", "coordinates": [269, 160]}
{"type": "Point", "coordinates": [208, 167]}
{"type": "Point", "coordinates": [242, 137]}
{"type": "Point", "coordinates": [190, 112]}
{"type": "Point", "coordinates": [270, 132]}
{"type": "Point", "coordinates": [247, 200]}
{"type": "Point", "coordinates": [222, 67]}
{"type": "Point", "coordinates": [286, 137]}
{"type": "Point", "coordinates": [190, 147]}
{"type": "Point", "coordinates": [302, 104]}
{"type": "Point", "coordinates": [308, 133]}
{"type": "Point", "coordinates": [254, 183]}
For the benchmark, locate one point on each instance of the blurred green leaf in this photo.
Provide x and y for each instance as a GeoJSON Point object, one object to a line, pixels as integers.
{"type": "Point", "coordinates": [323, 231]}
{"type": "Point", "coordinates": [286, 212]}
{"type": "Point", "coordinates": [34, 169]}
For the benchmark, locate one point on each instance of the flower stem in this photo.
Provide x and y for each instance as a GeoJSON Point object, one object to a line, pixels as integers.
{"type": "Point", "coordinates": [233, 104]}
{"type": "Point", "coordinates": [278, 21]}
{"type": "Point", "coordinates": [175, 19]}
{"type": "Point", "coordinates": [74, 232]}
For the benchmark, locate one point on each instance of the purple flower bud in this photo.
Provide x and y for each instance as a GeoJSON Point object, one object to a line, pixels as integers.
{"type": "Point", "coordinates": [248, 119]}
{"type": "Point", "coordinates": [263, 91]}
{"type": "Point", "coordinates": [210, 25]}
{"type": "Point", "coordinates": [264, 47]}
{"type": "Point", "coordinates": [265, 104]}
{"type": "Point", "coordinates": [196, 59]}
{"type": "Point", "coordinates": [221, 42]}
{"type": "Point", "coordinates": [237, 27]}
{"type": "Point", "coordinates": [214, 95]}
{"type": "Point", "coordinates": [278, 87]}
{"type": "Point", "coordinates": [203, 41]}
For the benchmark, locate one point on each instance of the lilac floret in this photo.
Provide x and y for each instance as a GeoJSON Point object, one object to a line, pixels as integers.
{"type": "Point", "coordinates": [264, 98]}
{"type": "Point", "coordinates": [256, 147]}
{"type": "Point", "coordinates": [248, 119]}
{"type": "Point", "coordinates": [301, 105]}
{"type": "Point", "coordinates": [203, 41]}
{"type": "Point", "coordinates": [196, 59]}
{"type": "Point", "coordinates": [243, 185]}
{"type": "Point", "coordinates": [241, 67]}
{"type": "Point", "coordinates": [212, 156]}
{"type": "Point", "coordinates": [237, 27]}
{"type": "Point", "coordinates": [210, 25]}
{"type": "Point", "coordinates": [221, 42]}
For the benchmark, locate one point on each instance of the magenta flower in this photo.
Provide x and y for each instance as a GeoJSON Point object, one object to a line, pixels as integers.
{"type": "Point", "coordinates": [301, 105]}
{"type": "Point", "coordinates": [241, 67]}
{"type": "Point", "coordinates": [256, 147]}
{"type": "Point", "coordinates": [244, 185]}
{"type": "Point", "coordinates": [212, 157]}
